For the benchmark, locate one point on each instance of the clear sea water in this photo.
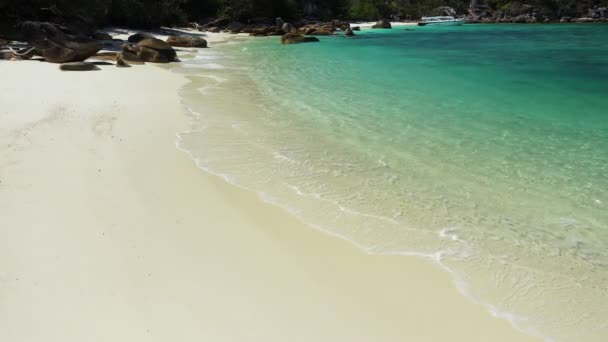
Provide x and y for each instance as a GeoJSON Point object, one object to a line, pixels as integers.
{"type": "Point", "coordinates": [482, 147]}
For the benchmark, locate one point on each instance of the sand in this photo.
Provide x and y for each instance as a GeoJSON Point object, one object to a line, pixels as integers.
{"type": "Point", "coordinates": [109, 233]}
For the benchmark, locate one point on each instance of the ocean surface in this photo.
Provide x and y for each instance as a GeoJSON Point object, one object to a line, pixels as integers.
{"type": "Point", "coordinates": [482, 147]}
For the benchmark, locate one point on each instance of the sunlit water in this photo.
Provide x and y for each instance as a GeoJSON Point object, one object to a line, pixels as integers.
{"type": "Point", "coordinates": [484, 148]}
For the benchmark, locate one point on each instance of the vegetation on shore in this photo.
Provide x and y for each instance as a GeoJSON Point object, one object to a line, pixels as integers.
{"type": "Point", "coordinates": [153, 13]}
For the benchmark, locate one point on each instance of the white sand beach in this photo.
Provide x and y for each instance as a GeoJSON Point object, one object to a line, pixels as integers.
{"type": "Point", "coordinates": [108, 232]}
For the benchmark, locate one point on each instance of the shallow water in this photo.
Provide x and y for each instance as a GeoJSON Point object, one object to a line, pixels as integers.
{"type": "Point", "coordinates": [483, 147]}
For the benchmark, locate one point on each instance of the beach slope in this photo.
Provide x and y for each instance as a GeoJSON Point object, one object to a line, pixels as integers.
{"type": "Point", "coordinates": [109, 233]}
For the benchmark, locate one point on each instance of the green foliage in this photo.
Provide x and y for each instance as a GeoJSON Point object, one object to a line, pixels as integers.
{"type": "Point", "coordinates": [152, 13]}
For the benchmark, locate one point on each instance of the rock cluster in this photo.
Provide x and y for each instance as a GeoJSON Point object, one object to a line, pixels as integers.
{"type": "Point", "coordinates": [262, 27]}
{"type": "Point", "coordinates": [187, 41]}
{"type": "Point", "coordinates": [151, 50]}
{"type": "Point", "coordinates": [296, 38]}
{"type": "Point", "coordinates": [56, 44]}
{"type": "Point", "coordinates": [522, 13]}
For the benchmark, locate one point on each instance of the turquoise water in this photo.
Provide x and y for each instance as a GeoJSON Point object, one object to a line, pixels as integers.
{"type": "Point", "coordinates": [483, 147]}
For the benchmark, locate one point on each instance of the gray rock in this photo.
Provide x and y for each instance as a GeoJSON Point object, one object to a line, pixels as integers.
{"type": "Point", "coordinates": [78, 66]}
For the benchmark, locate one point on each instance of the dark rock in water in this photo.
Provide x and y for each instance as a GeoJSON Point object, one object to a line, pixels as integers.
{"type": "Point", "coordinates": [138, 37]}
{"type": "Point", "coordinates": [382, 24]}
{"type": "Point", "coordinates": [356, 28]}
{"type": "Point", "coordinates": [323, 32]}
{"type": "Point", "coordinates": [156, 51]}
{"type": "Point", "coordinates": [349, 33]}
{"type": "Point", "coordinates": [342, 25]}
{"type": "Point", "coordinates": [55, 45]}
{"type": "Point", "coordinates": [101, 36]}
{"type": "Point", "coordinates": [78, 66]}
{"type": "Point", "coordinates": [295, 38]}
{"type": "Point", "coordinates": [187, 41]}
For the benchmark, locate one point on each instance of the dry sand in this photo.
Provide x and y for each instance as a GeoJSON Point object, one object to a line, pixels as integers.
{"type": "Point", "coordinates": [110, 233]}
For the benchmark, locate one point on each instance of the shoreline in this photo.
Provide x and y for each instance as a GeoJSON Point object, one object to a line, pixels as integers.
{"type": "Point", "coordinates": [111, 226]}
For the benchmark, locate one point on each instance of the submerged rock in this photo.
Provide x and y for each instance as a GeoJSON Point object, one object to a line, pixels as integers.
{"type": "Point", "coordinates": [295, 38]}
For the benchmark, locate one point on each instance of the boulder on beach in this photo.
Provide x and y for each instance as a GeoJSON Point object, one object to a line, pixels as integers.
{"type": "Point", "coordinates": [155, 51]}
{"type": "Point", "coordinates": [78, 66]}
{"type": "Point", "coordinates": [55, 45]}
{"type": "Point", "coordinates": [296, 38]}
{"type": "Point", "coordinates": [187, 41]}
{"type": "Point", "coordinates": [382, 24]}
{"type": "Point", "coordinates": [130, 57]}
{"type": "Point", "coordinates": [121, 63]}
{"type": "Point", "coordinates": [138, 37]}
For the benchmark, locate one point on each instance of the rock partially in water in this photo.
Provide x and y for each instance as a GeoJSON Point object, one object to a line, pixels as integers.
{"type": "Point", "coordinates": [156, 51]}
{"type": "Point", "coordinates": [295, 38]}
{"type": "Point", "coordinates": [382, 24]}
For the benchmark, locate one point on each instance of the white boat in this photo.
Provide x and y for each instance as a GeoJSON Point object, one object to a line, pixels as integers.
{"type": "Point", "coordinates": [446, 20]}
